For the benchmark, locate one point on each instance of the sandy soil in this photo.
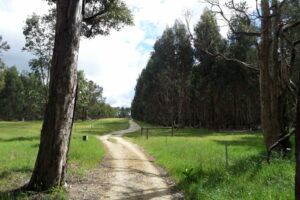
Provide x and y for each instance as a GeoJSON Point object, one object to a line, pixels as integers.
{"type": "Point", "coordinates": [126, 173]}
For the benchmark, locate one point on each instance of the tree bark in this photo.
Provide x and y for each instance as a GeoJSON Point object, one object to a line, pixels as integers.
{"type": "Point", "coordinates": [51, 164]}
{"type": "Point", "coordinates": [272, 95]}
{"type": "Point", "coordinates": [297, 146]}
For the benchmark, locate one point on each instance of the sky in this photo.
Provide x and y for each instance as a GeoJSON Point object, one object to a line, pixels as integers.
{"type": "Point", "coordinates": [113, 62]}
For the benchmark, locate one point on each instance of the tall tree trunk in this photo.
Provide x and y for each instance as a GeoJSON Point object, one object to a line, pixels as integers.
{"type": "Point", "coordinates": [273, 97]}
{"type": "Point", "coordinates": [51, 164]}
{"type": "Point", "coordinates": [297, 145]}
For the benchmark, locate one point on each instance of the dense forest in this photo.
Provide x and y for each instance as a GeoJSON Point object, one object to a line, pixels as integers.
{"type": "Point", "coordinates": [23, 97]}
{"type": "Point", "coordinates": [185, 85]}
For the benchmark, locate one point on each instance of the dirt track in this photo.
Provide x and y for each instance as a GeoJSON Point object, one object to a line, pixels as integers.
{"type": "Point", "coordinates": [126, 173]}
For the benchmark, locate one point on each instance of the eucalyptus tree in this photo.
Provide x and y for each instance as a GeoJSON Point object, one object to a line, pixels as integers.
{"type": "Point", "coordinates": [32, 96]}
{"type": "Point", "coordinates": [10, 96]}
{"type": "Point", "coordinates": [184, 62]}
{"type": "Point", "coordinates": [95, 99]}
{"type": "Point", "coordinates": [151, 101]}
{"type": "Point", "coordinates": [82, 96]}
{"type": "Point", "coordinates": [155, 89]}
{"type": "Point", "coordinates": [205, 77]}
{"type": "Point", "coordinates": [39, 40]}
{"type": "Point", "coordinates": [73, 18]}
{"type": "Point", "coordinates": [163, 88]}
{"type": "Point", "coordinates": [243, 83]}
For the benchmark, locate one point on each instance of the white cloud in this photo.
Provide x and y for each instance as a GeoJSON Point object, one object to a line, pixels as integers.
{"type": "Point", "coordinates": [13, 14]}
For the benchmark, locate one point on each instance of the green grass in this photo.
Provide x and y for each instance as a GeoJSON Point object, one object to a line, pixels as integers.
{"type": "Point", "coordinates": [195, 159]}
{"type": "Point", "coordinates": [19, 142]}
{"type": "Point", "coordinates": [112, 140]}
{"type": "Point", "coordinates": [100, 127]}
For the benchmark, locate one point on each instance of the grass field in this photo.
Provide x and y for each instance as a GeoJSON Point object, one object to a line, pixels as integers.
{"type": "Point", "coordinates": [195, 159]}
{"type": "Point", "coordinates": [19, 143]}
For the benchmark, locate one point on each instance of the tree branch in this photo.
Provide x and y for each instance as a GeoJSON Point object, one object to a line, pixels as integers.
{"type": "Point", "coordinates": [244, 64]}
{"type": "Point", "coordinates": [231, 5]}
{"type": "Point", "coordinates": [106, 8]}
{"type": "Point", "coordinates": [296, 43]}
{"type": "Point", "coordinates": [290, 26]}
{"type": "Point", "coordinates": [282, 4]}
{"type": "Point", "coordinates": [247, 33]}
{"type": "Point", "coordinates": [256, 34]}
{"type": "Point", "coordinates": [293, 90]}
{"type": "Point", "coordinates": [83, 9]}
{"type": "Point", "coordinates": [257, 10]}
{"type": "Point", "coordinates": [91, 18]}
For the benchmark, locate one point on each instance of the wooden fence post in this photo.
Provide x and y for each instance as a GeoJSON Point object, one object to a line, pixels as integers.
{"type": "Point", "coordinates": [172, 130]}
{"type": "Point", "coordinates": [141, 131]}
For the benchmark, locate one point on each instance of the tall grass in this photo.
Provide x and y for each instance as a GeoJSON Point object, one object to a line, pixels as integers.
{"type": "Point", "coordinates": [195, 159]}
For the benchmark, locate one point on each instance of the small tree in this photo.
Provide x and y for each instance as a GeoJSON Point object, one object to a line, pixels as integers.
{"type": "Point", "coordinates": [39, 40]}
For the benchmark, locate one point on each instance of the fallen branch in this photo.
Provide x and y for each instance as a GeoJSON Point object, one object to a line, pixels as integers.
{"type": "Point", "coordinates": [273, 146]}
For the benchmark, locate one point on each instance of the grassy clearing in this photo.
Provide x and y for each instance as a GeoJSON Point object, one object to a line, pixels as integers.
{"type": "Point", "coordinates": [195, 158]}
{"type": "Point", "coordinates": [100, 127]}
{"type": "Point", "coordinates": [19, 143]}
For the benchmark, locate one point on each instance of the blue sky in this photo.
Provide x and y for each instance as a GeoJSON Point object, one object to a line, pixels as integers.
{"type": "Point", "coordinates": [113, 61]}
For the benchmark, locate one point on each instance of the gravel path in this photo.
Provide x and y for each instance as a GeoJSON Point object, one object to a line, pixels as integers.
{"type": "Point", "coordinates": [126, 173]}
